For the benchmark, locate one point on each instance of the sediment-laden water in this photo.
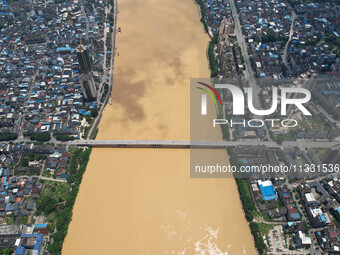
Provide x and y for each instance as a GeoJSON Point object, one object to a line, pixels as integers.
{"type": "Point", "coordinates": [142, 201]}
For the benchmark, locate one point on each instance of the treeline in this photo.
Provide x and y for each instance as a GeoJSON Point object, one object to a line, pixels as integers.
{"type": "Point", "coordinates": [259, 242]}
{"type": "Point", "coordinates": [273, 38]}
{"type": "Point", "coordinates": [212, 58]}
{"type": "Point", "coordinates": [248, 204]}
{"type": "Point", "coordinates": [6, 251]}
{"type": "Point", "coordinates": [8, 137]}
{"type": "Point", "coordinates": [41, 137]}
{"type": "Point", "coordinates": [243, 188]}
{"type": "Point", "coordinates": [202, 8]}
{"type": "Point", "coordinates": [64, 137]}
{"type": "Point", "coordinates": [31, 156]}
{"type": "Point", "coordinates": [224, 128]}
{"type": "Point", "coordinates": [94, 114]}
{"type": "Point", "coordinates": [295, 2]}
{"type": "Point", "coordinates": [211, 52]}
{"type": "Point", "coordinates": [76, 168]}
{"type": "Point", "coordinates": [106, 90]}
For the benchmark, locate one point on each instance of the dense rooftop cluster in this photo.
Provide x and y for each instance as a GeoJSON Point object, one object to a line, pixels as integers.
{"type": "Point", "coordinates": [42, 98]}
{"type": "Point", "coordinates": [310, 30]}
{"type": "Point", "coordinates": [39, 74]}
{"type": "Point", "coordinates": [296, 213]}
{"type": "Point", "coordinates": [216, 11]}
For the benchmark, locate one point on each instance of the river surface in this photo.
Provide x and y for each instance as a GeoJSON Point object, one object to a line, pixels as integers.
{"type": "Point", "coordinates": [143, 201]}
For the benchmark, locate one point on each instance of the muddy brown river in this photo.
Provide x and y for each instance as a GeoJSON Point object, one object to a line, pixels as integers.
{"type": "Point", "coordinates": [143, 201]}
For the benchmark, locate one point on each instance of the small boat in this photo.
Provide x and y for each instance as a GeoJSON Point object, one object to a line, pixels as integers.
{"type": "Point", "coordinates": [110, 100]}
{"type": "Point", "coordinates": [119, 30]}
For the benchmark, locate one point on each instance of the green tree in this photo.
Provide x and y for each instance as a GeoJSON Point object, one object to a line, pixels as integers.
{"type": "Point", "coordinates": [64, 137]}
{"type": "Point", "coordinates": [94, 112]}
{"type": "Point", "coordinates": [8, 137]}
{"type": "Point", "coordinates": [41, 137]}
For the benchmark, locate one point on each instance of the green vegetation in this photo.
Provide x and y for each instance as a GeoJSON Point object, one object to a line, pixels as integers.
{"type": "Point", "coordinates": [241, 55]}
{"type": "Point", "coordinates": [87, 129]}
{"type": "Point", "coordinates": [211, 55]}
{"type": "Point", "coordinates": [46, 174]}
{"type": "Point", "coordinates": [6, 251]}
{"type": "Point", "coordinates": [46, 204]}
{"type": "Point", "coordinates": [258, 230]}
{"type": "Point", "coordinates": [306, 226]}
{"type": "Point", "coordinates": [279, 154]}
{"type": "Point", "coordinates": [243, 189]}
{"type": "Point", "coordinates": [110, 2]}
{"type": "Point", "coordinates": [202, 8]}
{"type": "Point", "coordinates": [10, 219]}
{"type": "Point", "coordinates": [332, 39]}
{"type": "Point", "coordinates": [64, 137]}
{"type": "Point", "coordinates": [8, 137]}
{"type": "Point", "coordinates": [273, 38]}
{"type": "Point", "coordinates": [284, 137]}
{"type": "Point", "coordinates": [320, 152]}
{"type": "Point", "coordinates": [95, 134]}
{"type": "Point", "coordinates": [264, 228]}
{"type": "Point", "coordinates": [336, 222]}
{"type": "Point", "coordinates": [318, 122]}
{"type": "Point", "coordinates": [57, 199]}
{"type": "Point", "coordinates": [41, 137]}
{"type": "Point", "coordinates": [31, 156]}
{"type": "Point", "coordinates": [295, 2]}
{"type": "Point", "coordinates": [224, 128]}
{"type": "Point", "coordinates": [23, 220]}
{"type": "Point", "coordinates": [106, 90]}
{"type": "Point", "coordinates": [94, 112]}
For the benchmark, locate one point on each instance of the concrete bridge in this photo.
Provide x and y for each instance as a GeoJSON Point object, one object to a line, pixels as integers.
{"type": "Point", "coordinates": [200, 144]}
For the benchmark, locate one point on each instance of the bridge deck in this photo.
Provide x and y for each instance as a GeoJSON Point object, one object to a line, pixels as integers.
{"type": "Point", "coordinates": [199, 144]}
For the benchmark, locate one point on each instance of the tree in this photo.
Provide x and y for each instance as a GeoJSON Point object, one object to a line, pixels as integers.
{"type": "Point", "coordinates": [24, 162]}
{"type": "Point", "coordinates": [94, 112]}
{"type": "Point", "coordinates": [7, 251]}
{"type": "Point", "coordinates": [259, 243]}
{"type": "Point", "coordinates": [41, 137]}
{"type": "Point", "coordinates": [46, 204]}
{"type": "Point", "coordinates": [8, 137]}
{"type": "Point", "coordinates": [211, 55]}
{"type": "Point", "coordinates": [64, 137]}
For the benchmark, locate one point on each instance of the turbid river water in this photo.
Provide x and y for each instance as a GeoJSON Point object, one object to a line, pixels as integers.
{"type": "Point", "coordinates": [143, 201]}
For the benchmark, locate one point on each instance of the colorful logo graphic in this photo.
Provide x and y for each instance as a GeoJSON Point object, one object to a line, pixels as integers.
{"type": "Point", "coordinates": [204, 98]}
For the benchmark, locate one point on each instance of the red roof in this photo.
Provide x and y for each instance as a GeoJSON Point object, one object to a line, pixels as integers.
{"type": "Point", "coordinates": [43, 231]}
{"type": "Point", "coordinates": [291, 210]}
{"type": "Point", "coordinates": [333, 234]}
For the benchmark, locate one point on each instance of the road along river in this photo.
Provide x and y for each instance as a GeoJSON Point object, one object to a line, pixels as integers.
{"type": "Point", "coordinates": [143, 201]}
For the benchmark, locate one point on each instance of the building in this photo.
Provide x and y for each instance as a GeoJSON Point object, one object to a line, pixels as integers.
{"type": "Point", "coordinates": [292, 214]}
{"type": "Point", "coordinates": [88, 86]}
{"type": "Point", "coordinates": [33, 242]}
{"type": "Point", "coordinates": [301, 240]}
{"type": "Point", "coordinates": [87, 83]}
{"type": "Point", "coordinates": [331, 157]}
{"type": "Point", "coordinates": [267, 189]}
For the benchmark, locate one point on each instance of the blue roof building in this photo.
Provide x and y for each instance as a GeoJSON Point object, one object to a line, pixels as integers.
{"type": "Point", "coordinates": [20, 250]}
{"type": "Point", "coordinates": [267, 189]}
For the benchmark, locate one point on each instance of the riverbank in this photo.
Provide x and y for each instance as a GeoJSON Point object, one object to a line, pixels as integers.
{"type": "Point", "coordinates": [242, 185]}
{"type": "Point", "coordinates": [107, 90]}
{"type": "Point", "coordinates": [56, 201]}
{"type": "Point", "coordinates": [135, 201]}
{"type": "Point", "coordinates": [76, 166]}
{"type": "Point", "coordinates": [213, 41]}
